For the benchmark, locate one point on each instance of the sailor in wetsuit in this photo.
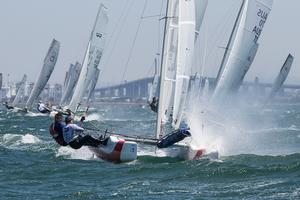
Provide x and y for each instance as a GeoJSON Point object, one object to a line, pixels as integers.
{"type": "Point", "coordinates": [42, 108]}
{"type": "Point", "coordinates": [8, 106]}
{"type": "Point", "coordinates": [56, 129]}
{"type": "Point", "coordinates": [154, 104]}
{"type": "Point", "coordinates": [71, 134]}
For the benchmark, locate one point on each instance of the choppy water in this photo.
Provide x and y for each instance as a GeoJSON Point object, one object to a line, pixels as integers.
{"type": "Point", "coordinates": [262, 161]}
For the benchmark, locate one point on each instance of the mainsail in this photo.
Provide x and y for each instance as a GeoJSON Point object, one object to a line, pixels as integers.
{"type": "Point", "coordinates": [186, 39]}
{"type": "Point", "coordinates": [200, 8]}
{"type": "Point", "coordinates": [47, 69]}
{"type": "Point", "coordinates": [154, 85]}
{"type": "Point", "coordinates": [253, 18]}
{"type": "Point", "coordinates": [20, 92]}
{"type": "Point", "coordinates": [93, 85]}
{"type": "Point", "coordinates": [167, 74]}
{"type": "Point", "coordinates": [71, 80]}
{"type": "Point", "coordinates": [92, 57]}
{"type": "Point", "coordinates": [284, 71]}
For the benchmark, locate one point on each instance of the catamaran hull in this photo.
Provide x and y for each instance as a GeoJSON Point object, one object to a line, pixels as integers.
{"type": "Point", "coordinates": [116, 150]}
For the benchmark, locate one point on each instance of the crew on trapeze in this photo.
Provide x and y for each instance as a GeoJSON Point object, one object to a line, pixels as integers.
{"type": "Point", "coordinates": [174, 137]}
{"type": "Point", "coordinates": [70, 134]}
{"type": "Point", "coordinates": [154, 104]}
{"type": "Point", "coordinates": [42, 108]}
{"type": "Point", "coordinates": [8, 106]}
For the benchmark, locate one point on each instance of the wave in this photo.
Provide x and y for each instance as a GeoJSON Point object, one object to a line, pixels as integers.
{"type": "Point", "coordinates": [94, 117]}
{"type": "Point", "coordinates": [80, 154]}
{"type": "Point", "coordinates": [32, 114]}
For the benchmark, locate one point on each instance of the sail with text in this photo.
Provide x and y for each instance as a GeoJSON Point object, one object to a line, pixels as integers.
{"type": "Point", "coordinates": [92, 58]}
{"type": "Point", "coordinates": [47, 69]}
{"type": "Point", "coordinates": [253, 17]}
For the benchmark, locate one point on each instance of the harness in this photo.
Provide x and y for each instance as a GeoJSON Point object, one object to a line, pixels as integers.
{"type": "Point", "coordinates": [56, 136]}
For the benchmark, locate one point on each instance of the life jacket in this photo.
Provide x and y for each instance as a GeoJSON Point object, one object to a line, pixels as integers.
{"type": "Point", "coordinates": [58, 137]}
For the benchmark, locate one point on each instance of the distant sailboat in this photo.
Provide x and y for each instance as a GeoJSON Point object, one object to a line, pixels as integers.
{"type": "Point", "coordinates": [92, 58]}
{"type": "Point", "coordinates": [284, 71]}
{"type": "Point", "coordinates": [47, 69]}
{"type": "Point", "coordinates": [252, 19]}
{"type": "Point", "coordinates": [70, 83]}
{"type": "Point", "coordinates": [20, 92]}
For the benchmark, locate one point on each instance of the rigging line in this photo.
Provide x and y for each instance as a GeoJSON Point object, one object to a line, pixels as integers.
{"type": "Point", "coordinates": [121, 23]}
{"type": "Point", "coordinates": [151, 67]}
{"type": "Point", "coordinates": [133, 44]}
{"type": "Point", "coordinates": [222, 26]}
{"type": "Point", "coordinates": [150, 16]}
{"type": "Point", "coordinates": [134, 41]}
{"type": "Point", "coordinates": [159, 34]}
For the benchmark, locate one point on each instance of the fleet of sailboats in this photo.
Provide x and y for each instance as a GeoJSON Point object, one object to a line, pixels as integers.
{"type": "Point", "coordinates": [172, 84]}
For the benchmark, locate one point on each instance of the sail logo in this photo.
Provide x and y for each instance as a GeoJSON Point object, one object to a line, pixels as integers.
{"type": "Point", "coordinates": [99, 35]}
{"type": "Point", "coordinates": [263, 15]}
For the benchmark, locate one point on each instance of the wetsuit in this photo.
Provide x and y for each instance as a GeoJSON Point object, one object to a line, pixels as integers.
{"type": "Point", "coordinates": [56, 131]}
{"type": "Point", "coordinates": [76, 141]}
{"type": "Point", "coordinates": [154, 106]}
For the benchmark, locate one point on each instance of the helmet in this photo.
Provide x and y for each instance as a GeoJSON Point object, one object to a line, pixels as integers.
{"type": "Point", "coordinates": [68, 119]}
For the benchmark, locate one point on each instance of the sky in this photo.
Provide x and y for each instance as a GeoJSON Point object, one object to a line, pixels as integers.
{"type": "Point", "coordinates": [28, 27]}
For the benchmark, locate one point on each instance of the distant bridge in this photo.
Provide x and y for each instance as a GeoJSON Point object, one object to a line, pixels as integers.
{"type": "Point", "coordinates": [138, 89]}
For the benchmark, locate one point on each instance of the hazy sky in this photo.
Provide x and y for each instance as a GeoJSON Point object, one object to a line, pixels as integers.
{"type": "Point", "coordinates": [28, 27]}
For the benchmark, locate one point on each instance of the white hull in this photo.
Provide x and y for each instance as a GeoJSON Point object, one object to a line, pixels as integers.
{"type": "Point", "coordinates": [117, 150]}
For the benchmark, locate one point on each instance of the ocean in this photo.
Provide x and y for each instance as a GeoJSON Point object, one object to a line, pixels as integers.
{"type": "Point", "coordinates": [259, 159]}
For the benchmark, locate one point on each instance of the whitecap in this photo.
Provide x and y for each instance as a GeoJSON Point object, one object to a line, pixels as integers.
{"type": "Point", "coordinates": [94, 117]}
{"type": "Point", "coordinates": [29, 139]}
{"type": "Point", "coordinates": [31, 114]}
{"type": "Point", "coordinates": [82, 154]}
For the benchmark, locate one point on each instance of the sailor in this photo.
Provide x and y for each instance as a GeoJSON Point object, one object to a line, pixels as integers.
{"type": "Point", "coordinates": [154, 104]}
{"type": "Point", "coordinates": [8, 106]}
{"type": "Point", "coordinates": [72, 135]}
{"type": "Point", "coordinates": [42, 108]}
{"type": "Point", "coordinates": [56, 129]}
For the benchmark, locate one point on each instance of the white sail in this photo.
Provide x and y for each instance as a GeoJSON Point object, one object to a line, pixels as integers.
{"type": "Point", "coordinates": [67, 76]}
{"type": "Point", "coordinates": [72, 79]}
{"type": "Point", "coordinates": [167, 75]}
{"type": "Point", "coordinates": [200, 6]}
{"type": "Point", "coordinates": [20, 92]}
{"type": "Point", "coordinates": [253, 18]}
{"type": "Point", "coordinates": [284, 71]}
{"type": "Point", "coordinates": [47, 69]}
{"type": "Point", "coordinates": [186, 36]}
{"type": "Point", "coordinates": [93, 84]}
{"type": "Point", "coordinates": [154, 85]}
{"type": "Point", "coordinates": [92, 57]}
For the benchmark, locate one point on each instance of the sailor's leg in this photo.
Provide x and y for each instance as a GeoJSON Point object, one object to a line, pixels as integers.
{"type": "Point", "coordinates": [88, 140]}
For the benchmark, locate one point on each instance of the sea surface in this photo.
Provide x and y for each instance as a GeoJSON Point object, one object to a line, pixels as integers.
{"type": "Point", "coordinates": [259, 159]}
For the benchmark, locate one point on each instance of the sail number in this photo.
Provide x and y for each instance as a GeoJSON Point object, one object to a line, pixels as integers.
{"type": "Point", "coordinates": [99, 35]}
{"type": "Point", "coordinates": [262, 20]}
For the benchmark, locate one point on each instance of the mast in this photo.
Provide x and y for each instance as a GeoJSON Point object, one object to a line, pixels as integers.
{"type": "Point", "coordinates": [162, 73]}
{"type": "Point", "coordinates": [229, 42]}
